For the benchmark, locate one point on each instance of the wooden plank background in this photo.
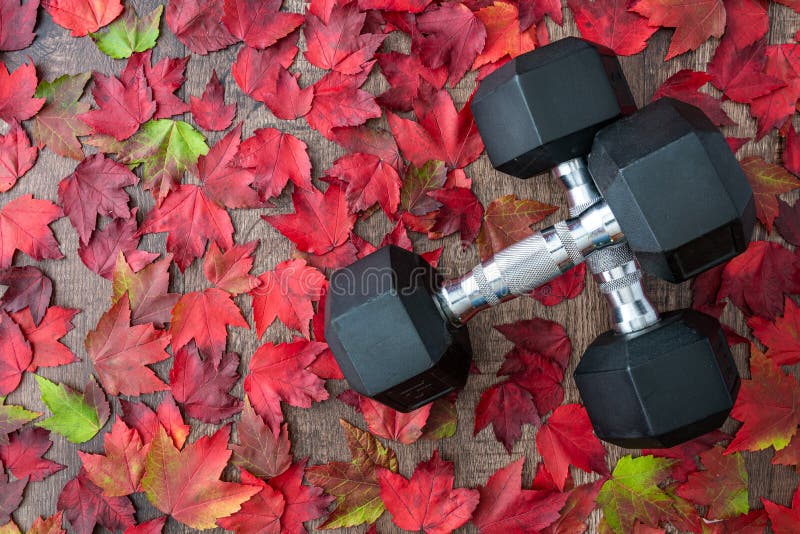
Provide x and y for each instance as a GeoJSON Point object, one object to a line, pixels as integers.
{"type": "Point", "coordinates": [316, 432]}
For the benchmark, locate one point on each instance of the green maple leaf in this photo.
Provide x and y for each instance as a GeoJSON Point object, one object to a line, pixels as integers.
{"type": "Point", "coordinates": [57, 125]}
{"type": "Point", "coordinates": [633, 493]}
{"type": "Point", "coordinates": [129, 34]}
{"type": "Point", "coordinates": [13, 418]}
{"type": "Point", "coordinates": [354, 483]}
{"type": "Point", "coordinates": [165, 148]}
{"type": "Point", "coordinates": [76, 416]}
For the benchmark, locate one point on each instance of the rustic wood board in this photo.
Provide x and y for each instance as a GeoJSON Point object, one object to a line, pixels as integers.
{"type": "Point", "coordinates": [316, 432]}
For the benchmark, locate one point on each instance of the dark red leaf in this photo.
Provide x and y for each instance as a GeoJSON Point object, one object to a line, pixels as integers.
{"type": "Point", "coordinates": [27, 287]}
{"type": "Point", "coordinates": [685, 86]}
{"type": "Point", "coordinates": [507, 406]}
{"type": "Point", "coordinates": [18, 19]}
{"type": "Point", "coordinates": [102, 251]}
{"type": "Point", "coordinates": [198, 25]}
{"type": "Point", "coordinates": [210, 111]}
{"type": "Point", "coordinates": [17, 156]}
{"type": "Point", "coordinates": [24, 454]}
{"type": "Point", "coordinates": [203, 387]}
{"type": "Point", "coordinates": [788, 222]}
{"type": "Point", "coordinates": [85, 506]}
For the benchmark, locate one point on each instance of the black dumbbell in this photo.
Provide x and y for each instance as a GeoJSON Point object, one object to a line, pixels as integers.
{"type": "Point", "coordinates": [652, 381]}
{"type": "Point", "coordinates": [394, 326]}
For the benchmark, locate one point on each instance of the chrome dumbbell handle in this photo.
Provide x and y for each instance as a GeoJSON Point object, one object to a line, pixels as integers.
{"type": "Point", "coordinates": [619, 278]}
{"type": "Point", "coordinates": [614, 268]}
{"type": "Point", "coordinates": [529, 263]}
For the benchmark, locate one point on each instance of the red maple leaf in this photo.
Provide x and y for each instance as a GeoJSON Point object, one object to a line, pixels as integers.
{"type": "Point", "coordinates": [147, 291]}
{"type": "Point", "coordinates": [18, 20]}
{"type": "Point", "coordinates": [408, 6]}
{"type": "Point", "coordinates": [746, 21]}
{"type": "Point", "coordinates": [767, 180]}
{"type": "Point", "coordinates": [791, 152]}
{"type": "Point", "coordinates": [287, 293]}
{"type": "Point", "coordinates": [262, 513]}
{"type": "Point", "coordinates": [147, 423]}
{"type": "Point", "coordinates": [259, 23]}
{"type": "Point", "coordinates": [280, 373]}
{"type": "Point", "coordinates": [203, 386]}
{"type": "Point", "coordinates": [210, 111]}
{"type": "Point", "coordinates": [16, 93]}
{"type": "Point", "coordinates": [185, 483]}
{"type": "Point", "coordinates": [120, 352]}
{"type": "Point", "coordinates": [26, 287]}
{"type": "Point", "coordinates": [96, 187]}
{"type": "Point", "coordinates": [303, 503]}
{"type": "Point", "coordinates": [23, 455]}
{"type": "Point", "coordinates": [365, 140]}
{"type": "Point", "coordinates": [275, 157]}
{"type": "Point", "coordinates": [85, 506]}
{"type": "Point", "coordinates": [122, 108]}
{"type": "Point", "coordinates": [503, 35]}
{"type": "Point", "coordinates": [164, 78]}
{"type": "Point", "coordinates": [15, 354]}
{"type": "Point", "coordinates": [540, 376]}
{"type": "Point", "coordinates": [788, 222]}
{"type": "Point", "coordinates": [781, 335]}
{"type": "Point", "coordinates": [722, 486]}
{"type": "Point", "coordinates": [82, 17]}
{"type": "Point", "coordinates": [783, 520]}
{"type": "Point", "coordinates": [767, 405]}
{"type": "Point", "coordinates": [203, 316]}
{"type": "Point", "coordinates": [773, 109]}
{"type": "Point", "coordinates": [260, 451]}
{"type": "Point", "coordinates": [338, 42]}
{"type": "Point", "coordinates": [539, 336]}
{"type": "Point", "coordinates": [567, 438]}
{"type": "Point", "coordinates": [405, 73]}
{"type": "Point", "coordinates": [440, 133]}
{"type": "Point", "coordinates": [289, 101]}
{"type": "Point", "coordinates": [461, 211]}
{"type": "Point", "coordinates": [11, 496]}
{"type": "Point", "coordinates": [230, 270]}
{"type": "Point", "coordinates": [102, 251]}
{"type": "Point", "coordinates": [427, 501]}
{"type": "Point", "coordinates": [757, 279]}
{"type": "Point", "coordinates": [257, 71]}
{"type": "Point", "coordinates": [369, 180]}
{"type": "Point", "coordinates": [611, 25]}
{"type": "Point", "coordinates": [192, 220]}
{"type": "Point", "coordinates": [339, 102]}
{"type": "Point", "coordinates": [739, 72]}
{"type": "Point", "coordinates": [387, 423]}
{"type": "Point", "coordinates": [580, 503]}
{"type": "Point", "coordinates": [43, 338]}
{"type": "Point", "coordinates": [119, 471]}
{"type": "Point", "coordinates": [567, 286]}
{"type": "Point", "coordinates": [506, 507]}
{"type": "Point", "coordinates": [154, 526]}
{"type": "Point", "coordinates": [685, 86]}
{"type": "Point", "coordinates": [507, 406]}
{"type": "Point", "coordinates": [449, 35]}
{"type": "Point", "coordinates": [198, 25]}
{"type": "Point", "coordinates": [17, 156]}
{"type": "Point", "coordinates": [225, 182]}
{"type": "Point", "coordinates": [321, 222]}
{"type": "Point", "coordinates": [694, 22]}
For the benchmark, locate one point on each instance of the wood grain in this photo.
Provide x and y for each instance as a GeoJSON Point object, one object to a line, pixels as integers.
{"type": "Point", "coordinates": [316, 432]}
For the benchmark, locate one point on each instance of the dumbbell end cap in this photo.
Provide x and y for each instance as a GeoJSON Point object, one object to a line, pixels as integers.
{"type": "Point", "coordinates": [543, 108]}
{"type": "Point", "coordinates": [387, 334]}
{"type": "Point", "coordinates": [661, 386]}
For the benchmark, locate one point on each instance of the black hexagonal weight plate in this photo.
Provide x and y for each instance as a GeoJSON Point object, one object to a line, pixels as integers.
{"type": "Point", "coordinates": [544, 107]}
{"type": "Point", "coordinates": [676, 189]}
{"type": "Point", "coordinates": [662, 386]}
{"type": "Point", "coordinates": [387, 334]}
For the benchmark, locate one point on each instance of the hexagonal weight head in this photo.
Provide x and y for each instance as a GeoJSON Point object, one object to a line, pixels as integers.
{"type": "Point", "coordinates": [544, 107]}
{"type": "Point", "coordinates": [676, 189]}
{"type": "Point", "coordinates": [659, 387]}
{"type": "Point", "coordinates": [387, 334]}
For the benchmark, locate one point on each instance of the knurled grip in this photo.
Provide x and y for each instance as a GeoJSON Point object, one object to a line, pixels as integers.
{"type": "Point", "coordinates": [526, 265]}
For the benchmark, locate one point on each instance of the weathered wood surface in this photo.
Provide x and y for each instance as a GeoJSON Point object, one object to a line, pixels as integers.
{"type": "Point", "coordinates": [316, 432]}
